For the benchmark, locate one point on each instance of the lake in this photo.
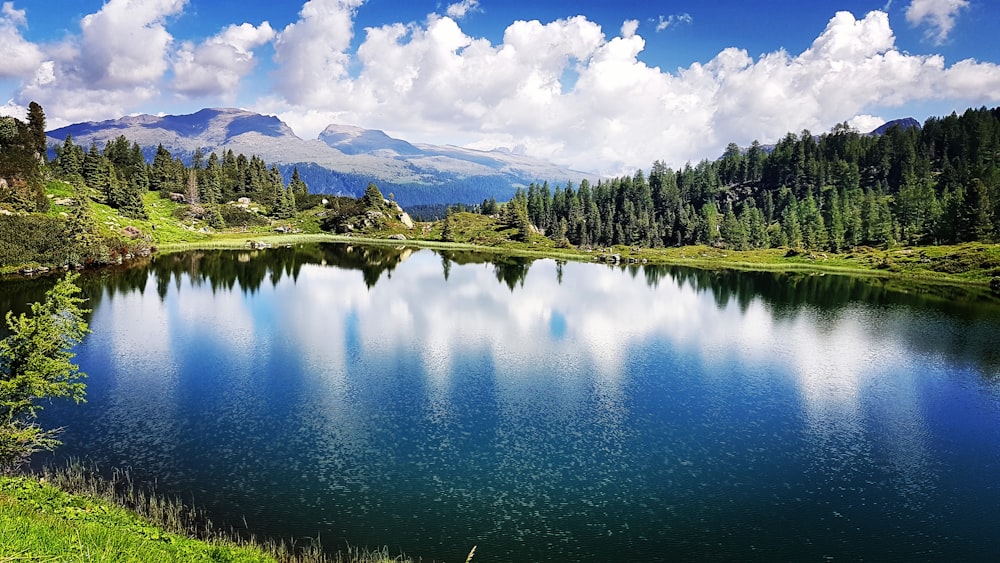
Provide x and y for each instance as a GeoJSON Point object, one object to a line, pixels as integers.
{"type": "Point", "coordinates": [545, 411]}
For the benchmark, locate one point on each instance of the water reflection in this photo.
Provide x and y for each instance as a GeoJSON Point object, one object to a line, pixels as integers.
{"type": "Point", "coordinates": [546, 410]}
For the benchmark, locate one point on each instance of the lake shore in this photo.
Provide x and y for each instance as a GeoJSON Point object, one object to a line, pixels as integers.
{"type": "Point", "coordinates": [73, 511]}
{"type": "Point", "coordinates": [971, 265]}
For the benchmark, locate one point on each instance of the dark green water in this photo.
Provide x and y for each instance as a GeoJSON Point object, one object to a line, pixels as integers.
{"type": "Point", "coordinates": [544, 411]}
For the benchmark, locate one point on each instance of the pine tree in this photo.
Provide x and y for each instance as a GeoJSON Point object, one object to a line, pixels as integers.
{"type": "Point", "coordinates": [68, 158]}
{"type": "Point", "coordinates": [130, 202]}
{"type": "Point", "coordinates": [211, 184]}
{"type": "Point", "coordinates": [447, 230]}
{"type": "Point", "coordinates": [976, 214]}
{"type": "Point", "coordinates": [36, 127]}
{"type": "Point", "coordinates": [35, 366]}
{"type": "Point", "coordinates": [94, 169]}
{"type": "Point", "coordinates": [162, 177]}
{"type": "Point", "coordinates": [299, 188]}
{"type": "Point", "coordinates": [732, 232]}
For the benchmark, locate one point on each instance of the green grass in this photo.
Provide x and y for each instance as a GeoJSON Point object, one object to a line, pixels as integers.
{"type": "Point", "coordinates": [39, 522]}
{"type": "Point", "coordinates": [73, 515]}
{"type": "Point", "coordinates": [966, 264]}
{"type": "Point", "coordinates": [973, 263]}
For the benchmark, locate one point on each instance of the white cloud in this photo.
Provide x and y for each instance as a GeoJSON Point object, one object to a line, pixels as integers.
{"type": "Point", "coordinates": [938, 14]}
{"type": "Point", "coordinates": [113, 66]}
{"type": "Point", "coordinates": [312, 53]}
{"type": "Point", "coordinates": [125, 43]}
{"type": "Point", "coordinates": [672, 20]}
{"type": "Point", "coordinates": [629, 27]}
{"type": "Point", "coordinates": [13, 109]}
{"type": "Point", "coordinates": [18, 57]}
{"type": "Point", "coordinates": [569, 93]}
{"type": "Point", "coordinates": [217, 65]}
{"type": "Point", "coordinates": [564, 90]}
{"type": "Point", "coordinates": [461, 9]}
{"type": "Point", "coordinates": [16, 17]}
{"type": "Point", "coordinates": [866, 123]}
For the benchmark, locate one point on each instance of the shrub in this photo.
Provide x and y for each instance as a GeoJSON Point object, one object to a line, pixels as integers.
{"type": "Point", "coordinates": [236, 216]}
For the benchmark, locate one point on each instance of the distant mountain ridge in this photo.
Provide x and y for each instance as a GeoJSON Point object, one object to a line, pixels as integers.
{"type": "Point", "coordinates": [905, 123]}
{"type": "Point", "coordinates": [343, 159]}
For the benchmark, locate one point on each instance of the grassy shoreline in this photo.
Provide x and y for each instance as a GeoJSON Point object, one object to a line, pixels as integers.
{"type": "Point", "coordinates": [71, 514]}
{"type": "Point", "coordinates": [974, 264]}
{"type": "Point", "coordinates": [970, 264]}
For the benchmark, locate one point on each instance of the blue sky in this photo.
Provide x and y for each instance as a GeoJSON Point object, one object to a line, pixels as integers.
{"type": "Point", "coordinates": [599, 85]}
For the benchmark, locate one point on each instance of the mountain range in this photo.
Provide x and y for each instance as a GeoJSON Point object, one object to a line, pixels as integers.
{"type": "Point", "coordinates": [342, 160]}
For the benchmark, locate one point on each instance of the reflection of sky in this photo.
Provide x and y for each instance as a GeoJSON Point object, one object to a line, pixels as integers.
{"type": "Point", "coordinates": [588, 324]}
{"type": "Point", "coordinates": [524, 396]}
{"type": "Point", "coordinates": [546, 330]}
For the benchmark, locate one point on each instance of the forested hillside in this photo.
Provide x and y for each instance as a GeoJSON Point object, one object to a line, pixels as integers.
{"type": "Point", "coordinates": [930, 185]}
{"type": "Point", "coordinates": [21, 148]}
{"type": "Point", "coordinates": [939, 184]}
{"type": "Point", "coordinates": [122, 175]}
{"type": "Point", "coordinates": [117, 175]}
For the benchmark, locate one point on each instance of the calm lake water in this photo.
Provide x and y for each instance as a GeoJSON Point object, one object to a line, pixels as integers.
{"type": "Point", "coordinates": [546, 411]}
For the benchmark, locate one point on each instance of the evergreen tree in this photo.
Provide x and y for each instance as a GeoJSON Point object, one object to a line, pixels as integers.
{"type": "Point", "coordinates": [35, 366]}
{"type": "Point", "coordinates": [69, 157]}
{"type": "Point", "coordinates": [975, 220]}
{"type": "Point", "coordinates": [36, 128]}
{"type": "Point", "coordinates": [298, 187]}
{"type": "Point", "coordinates": [95, 170]}
{"type": "Point", "coordinates": [447, 230]}
{"type": "Point", "coordinates": [163, 177]}
{"type": "Point", "coordinates": [732, 231]}
{"type": "Point", "coordinates": [130, 202]}
{"type": "Point", "coordinates": [83, 242]}
{"type": "Point", "coordinates": [373, 196]}
{"type": "Point", "coordinates": [791, 225]}
{"type": "Point", "coordinates": [211, 184]}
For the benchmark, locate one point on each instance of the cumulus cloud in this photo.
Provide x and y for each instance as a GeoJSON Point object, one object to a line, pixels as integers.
{"type": "Point", "coordinates": [440, 80]}
{"type": "Point", "coordinates": [125, 43]}
{"type": "Point", "coordinates": [114, 65]}
{"type": "Point", "coordinates": [938, 14]}
{"type": "Point", "coordinates": [216, 67]}
{"type": "Point", "coordinates": [629, 27]}
{"type": "Point", "coordinates": [673, 20]}
{"type": "Point", "coordinates": [18, 57]}
{"type": "Point", "coordinates": [312, 52]}
{"type": "Point", "coordinates": [866, 123]}
{"type": "Point", "coordinates": [461, 9]}
{"type": "Point", "coordinates": [565, 90]}
{"type": "Point", "coordinates": [13, 109]}
{"type": "Point", "coordinates": [15, 16]}
{"type": "Point", "coordinates": [569, 93]}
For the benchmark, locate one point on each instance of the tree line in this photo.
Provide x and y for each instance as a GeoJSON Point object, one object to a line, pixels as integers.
{"type": "Point", "coordinates": [119, 174]}
{"type": "Point", "coordinates": [22, 148]}
{"type": "Point", "coordinates": [122, 174]}
{"type": "Point", "coordinates": [936, 184]}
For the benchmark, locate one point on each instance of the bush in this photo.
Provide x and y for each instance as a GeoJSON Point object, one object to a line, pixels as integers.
{"type": "Point", "coordinates": [33, 239]}
{"type": "Point", "coordinates": [339, 211]}
{"type": "Point", "coordinates": [308, 201]}
{"type": "Point", "coordinates": [236, 216]}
